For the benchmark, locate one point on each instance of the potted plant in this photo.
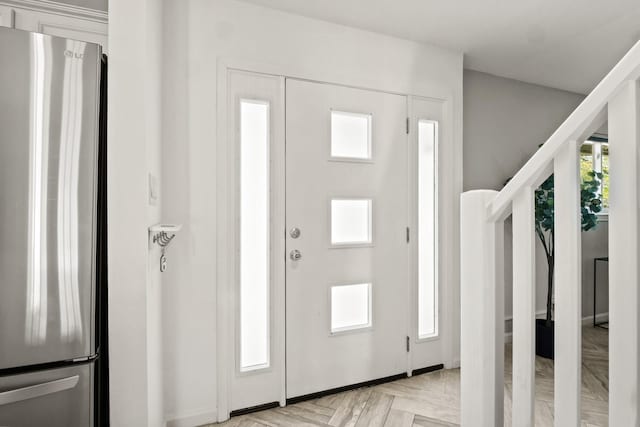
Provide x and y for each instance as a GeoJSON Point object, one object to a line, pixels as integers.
{"type": "Point", "coordinates": [590, 205]}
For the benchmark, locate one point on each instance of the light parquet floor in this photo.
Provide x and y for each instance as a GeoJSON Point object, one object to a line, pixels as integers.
{"type": "Point", "coordinates": [433, 399]}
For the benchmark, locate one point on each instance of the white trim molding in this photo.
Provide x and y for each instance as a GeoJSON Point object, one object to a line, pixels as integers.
{"type": "Point", "coordinates": [7, 16]}
{"type": "Point", "coordinates": [57, 19]}
{"type": "Point", "coordinates": [50, 6]}
{"type": "Point", "coordinates": [448, 227]}
{"type": "Point", "coordinates": [600, 317]}
{"type": "Point", "coordinates": [586, 321]}
{"type": "Point", "coordinates": [202, 418]}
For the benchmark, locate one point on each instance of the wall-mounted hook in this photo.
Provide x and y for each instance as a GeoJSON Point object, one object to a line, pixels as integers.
{"type": "Point", "coordinates": [163, 234]}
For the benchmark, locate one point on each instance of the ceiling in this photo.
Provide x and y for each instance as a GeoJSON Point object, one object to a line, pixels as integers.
{"type": "Point", "coordinates": [565, 44]}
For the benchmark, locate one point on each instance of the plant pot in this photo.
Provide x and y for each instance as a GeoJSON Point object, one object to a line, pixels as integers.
{"type": "Point", "coordinates": [544, 338]}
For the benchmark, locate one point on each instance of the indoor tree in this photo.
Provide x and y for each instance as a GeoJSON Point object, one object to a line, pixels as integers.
{"type": "Point", "coordinates": [590, 205]}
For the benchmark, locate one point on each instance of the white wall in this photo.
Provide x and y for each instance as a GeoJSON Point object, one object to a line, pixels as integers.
{"type": "Point", "coordinates": [188, 299]}
{"type": "Point", "coordinates": [504, 122]}
{"type": "Point", "coordinates": [202, 33]}
{"type": "Point", "coordinates": [134, 152]}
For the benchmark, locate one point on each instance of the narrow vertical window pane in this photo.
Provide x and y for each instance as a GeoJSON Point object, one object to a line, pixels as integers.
{"type": "Point", "coordinates": [587, 163]}
{"type": "Point", "coordinates": [350, 307]}
{"type": "Point", "coordinates": [427, 289]}
{"type": "Point", "coordinates": [254, 235]}
{"type": "Point", "coordinates": [350, 135]}
{"type": "Point", "coordinates": [594, 157]}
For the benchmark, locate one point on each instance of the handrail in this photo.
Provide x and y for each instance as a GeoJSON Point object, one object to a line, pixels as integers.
{"type": "Point", "coordinates": [575, 127]}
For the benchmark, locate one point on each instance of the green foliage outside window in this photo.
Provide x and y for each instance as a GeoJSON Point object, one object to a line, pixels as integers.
{"type": "Point", "coordinates": [605, 177]}
{"type": "Point", "coordinates": [588, 164]}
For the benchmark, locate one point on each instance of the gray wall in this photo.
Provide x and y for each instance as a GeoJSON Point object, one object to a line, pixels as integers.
{"type": "Point", "coordinates": [504, 122]}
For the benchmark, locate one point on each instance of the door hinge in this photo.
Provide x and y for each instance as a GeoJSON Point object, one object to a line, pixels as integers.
{"type": "Point", "coordinates": [408, 345]}
{"type": "Point", "coordinates": [408, 233]}
{"type": "Point", "coordinates": [407, 125]}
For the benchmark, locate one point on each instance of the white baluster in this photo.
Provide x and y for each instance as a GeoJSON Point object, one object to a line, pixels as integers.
{"type": "Point", "coordinates": [624, 265]}
{"type": "Point", "coordinates": [524, 301]}
{"type": "Point", "coordinates": [482, 306]}
{"type": "Point", "coordinates": [568, 287]}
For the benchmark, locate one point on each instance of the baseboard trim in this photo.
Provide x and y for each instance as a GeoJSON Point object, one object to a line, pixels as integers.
{"type": "Point", "coordinates": [539, 314]}
{"type": "Point", "coordinates": [453, 365]}
{"type": "Point", "coordinates": [209, 417]}
{"type": "Point", "coordinates": [586, 321]}
{"type": "Point", "coordinates": [600, 317]}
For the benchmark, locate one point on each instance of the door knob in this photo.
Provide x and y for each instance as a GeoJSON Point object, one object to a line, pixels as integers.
{"type": "Point", "coordinates": [295, 255]}
{"type": "Point", "coordinates": [294, 232]}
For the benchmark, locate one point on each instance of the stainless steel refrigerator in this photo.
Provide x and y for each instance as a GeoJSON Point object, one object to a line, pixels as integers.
{"type": "Point", "coordinates": [49, 128]}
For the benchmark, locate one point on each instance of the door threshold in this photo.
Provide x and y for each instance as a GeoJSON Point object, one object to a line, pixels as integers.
{"type": "Point", "coordinates": [251, 409]}
{"type": "Point", "coordinates": [369, 383]}
{"type": "Point", "coordinates": [427, 369]}
{"type": "Point", "coordinates": [319, 394]}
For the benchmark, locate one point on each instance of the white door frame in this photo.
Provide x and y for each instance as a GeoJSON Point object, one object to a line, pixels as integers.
{"type": "Point", "coordinates": [440, 342]}
{"type": "Point", "coordinates": [450, 163]}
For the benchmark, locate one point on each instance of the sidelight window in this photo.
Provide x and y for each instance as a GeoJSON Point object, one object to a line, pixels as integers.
{"type": "Point", "coordinates": [427, 237]}
{"type": "Point", "coordinates": [254, 235]}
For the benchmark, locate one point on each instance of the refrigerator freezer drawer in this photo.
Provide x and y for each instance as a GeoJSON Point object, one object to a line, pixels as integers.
{"type": "Point", "coordinates": [53, 398]}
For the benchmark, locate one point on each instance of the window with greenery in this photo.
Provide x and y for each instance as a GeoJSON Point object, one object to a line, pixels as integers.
{"type": "Point", "coordinates": [594, 156]}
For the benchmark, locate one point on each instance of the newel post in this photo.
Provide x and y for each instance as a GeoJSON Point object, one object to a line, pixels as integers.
{"type": "Point", "coordinates": [482, 308]}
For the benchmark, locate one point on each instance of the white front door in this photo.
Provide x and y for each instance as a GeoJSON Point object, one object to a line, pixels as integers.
{"type": "Point", "coordinates": [347, 213]}
{"type": "Point", "coordinates": [330, 219]}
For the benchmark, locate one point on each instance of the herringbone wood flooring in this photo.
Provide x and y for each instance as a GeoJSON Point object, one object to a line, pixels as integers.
{"type": "Point", "coordinates": [433, 399]}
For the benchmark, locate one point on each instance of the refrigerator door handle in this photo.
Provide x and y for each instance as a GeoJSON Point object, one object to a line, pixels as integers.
{"type": "Point", "coordinates": [38, 390]}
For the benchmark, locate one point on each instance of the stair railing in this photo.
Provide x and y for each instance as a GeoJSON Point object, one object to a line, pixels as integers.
{"type": "Point", "coordinates": [483, 212]}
